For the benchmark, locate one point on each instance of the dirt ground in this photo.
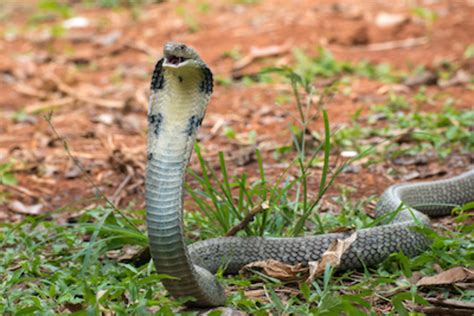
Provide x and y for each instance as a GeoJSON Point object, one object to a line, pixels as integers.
{"type": "Point", "coordinates": [95, 76]}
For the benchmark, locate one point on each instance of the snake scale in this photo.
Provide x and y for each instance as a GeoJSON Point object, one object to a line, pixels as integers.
{"type": "Point", "coordinates": [181, 87]}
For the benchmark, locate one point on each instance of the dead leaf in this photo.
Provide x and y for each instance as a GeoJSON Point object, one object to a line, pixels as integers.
{"type": "Point", "coordinates": [331, 256]}
{"type": "Point", "coordinates": [19, 207]}
{"type": "Point", "coordinates": [454, 304]}
{"type": "Point", "coordinates": [427, 77]}
{"type": "Point", "coordinates": [104, 118]}
{"type": "Point", "coordinates": [255, 294]}
{"type": "Point", "coordinates": [407, 160]}
{"type": "Point", "coordinates": [385, 19]}
{"type": "Point", "coordinates": [76, 22]}
{"type": "Point", "coordinates": [340, 229]}
{"type": "Point", "coordinates": [457, 274]}
{"type": "Point", "coordinates": [244, 156]}
{"type": "Point", "coordinates": [398, 88]}
{"type": "Point", "coordinates": [411, 176]}
{"type": "Point", "coordinates": [277, 269]}
{"type": "Point", "coordinates": [107, 39]}
{"type": "Point", "coordinates": [461, 77]}
{"type": "Point", "coordinates": [260, 52]}
{"type": "Point", "coordinates": [48, 105]}
{"type": "Point", "coordinates": [73, 172]}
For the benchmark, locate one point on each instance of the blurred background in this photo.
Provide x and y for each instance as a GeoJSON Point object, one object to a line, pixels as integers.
{"type": "Point", "coordinates": [90, 63]}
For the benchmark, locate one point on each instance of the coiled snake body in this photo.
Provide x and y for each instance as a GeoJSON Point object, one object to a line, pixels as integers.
{"type": "Point", "coordinates": [180, 90]}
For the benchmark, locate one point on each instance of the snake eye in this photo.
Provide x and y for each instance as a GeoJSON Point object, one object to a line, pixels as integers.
{"type": "Point", "coordinates": [182, 47]}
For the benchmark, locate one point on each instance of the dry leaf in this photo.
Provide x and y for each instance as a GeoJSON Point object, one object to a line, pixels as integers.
{"type": "Point", "coordinates": [331, 256]}
{"type": "Point", "coordinates": [277, 269]}
{"type": "Point", "coordinates": [427, 77]}
{"type": "Point", "coordinates": [255, 293]}
{"type": "Point", "coordinates": [244, 156]}
{"type": "Point", "coordinates": [18, 207]}
{"type": "Point", "coordinates": [461, 77]}
{"type": "Point", "coordinates": [385, 19]}
{"type": "Point", "coordinates": [450, 276]}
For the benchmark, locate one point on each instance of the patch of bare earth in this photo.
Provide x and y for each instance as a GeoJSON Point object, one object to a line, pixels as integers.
{"type": "Point", "coordinates": [95, 79]}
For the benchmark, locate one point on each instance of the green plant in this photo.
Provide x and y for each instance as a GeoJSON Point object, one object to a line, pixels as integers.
{"type": "Point", "coordinates": [469, 52]}
{"type": "Point", "coordinates": [6, 175]}
{"type": "Point", "coordinates": [425, 14]}
{"type": "Point", "coordinates": [189, 19]}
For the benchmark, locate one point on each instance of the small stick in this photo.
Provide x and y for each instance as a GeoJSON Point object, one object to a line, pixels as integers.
{"type": "Point", "coordinates": [63, 87]}
{"type": "Point", "coordinates": [247, 219]}
{"type": "Point", "coordinates": [46, 105]}
{"type": "Point", "coordinates": [30, 91]}
{"type": "Point", "coordinates": [260, 52]}
{"type": "Point", "coordinates": [405, 43]}
{"type": "Point", "coordinates": [116, 196]}
{"type": "Point", "coordinates": [451, 303]}
{"type": "Point", "coordinates": [21, 190]}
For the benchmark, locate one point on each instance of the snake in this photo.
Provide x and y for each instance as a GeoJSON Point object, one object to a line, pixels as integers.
{"type": "Point", "coordinates": [181, 87]}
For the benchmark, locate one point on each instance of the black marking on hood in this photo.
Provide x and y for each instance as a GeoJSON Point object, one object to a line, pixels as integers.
{"type": "Point", "coordinates": [149, 156]}
{"type": "Point", "coordinates": [157, 79]}
{"type": "Point", "coordinates": [193, 124]}
{"type": "Point", "coordinates": [154, 121]}
{"type": "Point", "coordinates": [207, 82]}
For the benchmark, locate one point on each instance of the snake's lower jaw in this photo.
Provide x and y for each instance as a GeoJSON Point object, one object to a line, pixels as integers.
{"type": "Point", "coordinates": [177, 63]}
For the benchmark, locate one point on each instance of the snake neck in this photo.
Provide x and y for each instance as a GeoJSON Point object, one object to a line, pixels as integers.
{"type": "Point", "coordinates": [177, 106]}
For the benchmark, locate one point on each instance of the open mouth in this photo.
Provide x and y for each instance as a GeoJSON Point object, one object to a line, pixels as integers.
{"type": "Point", "coordinates": [175, 60]}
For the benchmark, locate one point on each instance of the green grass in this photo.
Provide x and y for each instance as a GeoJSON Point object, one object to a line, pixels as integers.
{"type": "Point", "coordinates": [440, 133]}
{"type": "Point", "coordinates": [48, 268]}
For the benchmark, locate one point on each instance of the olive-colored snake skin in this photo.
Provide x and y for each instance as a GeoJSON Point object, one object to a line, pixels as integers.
{"type": "Point", "coordinates": [180, 90]}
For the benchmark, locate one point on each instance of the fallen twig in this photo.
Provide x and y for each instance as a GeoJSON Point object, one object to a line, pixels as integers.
{"type": "Point", "coordinates": [47, 105]}
{"type": "Point", "coordinates": [405, 43]}
{"type": "Point", "coordinates": [451, 303]}
{"type": "Point", "coordinates": [247, 219]}
{"type": "Point", "coordinates": [63, 87]}
{"type": "Point", "coordinates": [21, 190]}
{"type": "Point", "coordinates": [260, 52]}
{"type": "Point", "coordinates": [30, 91]}
{"type": "Point", "coordinates": [142, 47]}
{"type": "Point", "coordinates": [116, 196]}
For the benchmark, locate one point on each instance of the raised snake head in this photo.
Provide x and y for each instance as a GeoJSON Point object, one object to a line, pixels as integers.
{"type": "Point", "coordinates": [178, 55]}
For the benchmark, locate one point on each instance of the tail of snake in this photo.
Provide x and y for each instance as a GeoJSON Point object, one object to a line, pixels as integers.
{"type": "Point", "coordinates": [180, 90]}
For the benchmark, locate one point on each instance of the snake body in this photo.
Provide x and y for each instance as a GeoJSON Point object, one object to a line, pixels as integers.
{"type": "Point", "coordinates": [180, 90]}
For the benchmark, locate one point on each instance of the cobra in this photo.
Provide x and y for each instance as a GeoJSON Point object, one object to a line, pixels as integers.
{"type": "Point", "coordinates": [181, 87]}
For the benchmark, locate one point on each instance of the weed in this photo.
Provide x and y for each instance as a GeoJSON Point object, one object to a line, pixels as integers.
{"type": "Point", "coordinates": [396, 102]}
{"type": "Point", "coordinates": [6, 175]}
{"type": "Point", "coordinates": [235, 53]}
{"type": "Point", "coordinates": [469, 52]}
{"type": "Point", "coordinates": [425, 14]}
{"type": "Point", "coordinates": [189, 19]}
